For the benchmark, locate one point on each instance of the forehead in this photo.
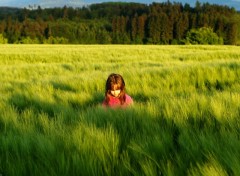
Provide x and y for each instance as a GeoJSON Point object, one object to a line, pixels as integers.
{"type": "Point", "coordinates": [115, 86]}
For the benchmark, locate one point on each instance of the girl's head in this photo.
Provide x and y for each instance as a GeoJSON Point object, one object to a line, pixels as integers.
{"type": "Point", "coordinates": [115, 86]}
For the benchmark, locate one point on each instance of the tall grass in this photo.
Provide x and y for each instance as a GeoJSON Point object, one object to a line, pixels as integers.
{"type": "Point", "coordinates": [184, 121]}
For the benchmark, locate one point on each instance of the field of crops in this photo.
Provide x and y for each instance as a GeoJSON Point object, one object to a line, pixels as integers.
{"type": "Point", "coordinates": [185, 119]}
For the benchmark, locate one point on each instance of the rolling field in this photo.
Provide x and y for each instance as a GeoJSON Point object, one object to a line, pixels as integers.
{"type": "Point", "coordinates": [185, 119]}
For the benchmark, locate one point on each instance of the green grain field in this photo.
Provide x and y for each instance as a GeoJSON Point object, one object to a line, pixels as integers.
{"type": "Point", "coordinates": [185, 119]}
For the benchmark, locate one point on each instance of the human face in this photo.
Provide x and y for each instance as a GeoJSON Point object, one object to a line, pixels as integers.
{"type": "Point", "coordinates": [115, 93]}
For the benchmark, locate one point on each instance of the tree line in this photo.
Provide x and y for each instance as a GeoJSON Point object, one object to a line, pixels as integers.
{"type": "Point", "coordinates": [122, 23]}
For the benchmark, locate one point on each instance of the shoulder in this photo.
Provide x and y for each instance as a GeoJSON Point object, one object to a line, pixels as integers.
{"type": "Point", "coordinates": [129, 99]}
{"type": "Point", "coordinates": [128, 96]}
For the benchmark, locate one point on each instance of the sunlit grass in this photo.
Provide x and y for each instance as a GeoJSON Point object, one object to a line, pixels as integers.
{"type": "Point", "coordinates": [185, 118]}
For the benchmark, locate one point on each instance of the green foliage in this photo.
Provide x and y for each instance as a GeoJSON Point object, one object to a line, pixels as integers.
{"type": "Point", "coordinates": [55, 40]}
{"type": "Point", "coordinates": [238, 29]}
{"type": "Point", "coordinates": [203, 36]}
{"type": "Point", "coordinates": [3, 40]}
{"type": "Point", "coordinates": [122, 23]}
{"type": "Point", "coordinates": [64, 29]}
{"type": "Point", "coordinates": [103, 37]}
{"type": "Point", "coordinates": [184, 121]}
{"type": "Point", "coordinates": [28, 40]}
{"type": "Point", "coordinates": [120, 38]}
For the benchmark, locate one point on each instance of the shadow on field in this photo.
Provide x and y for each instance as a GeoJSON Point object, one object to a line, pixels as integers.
{"type": "Point", "coordinates": [63, 87]}
{"type": "Point", "coordinates": [55, 106]}
{"type": "Point", "coordinates": [140, 98]}
{"type": "Point", "coordinates": [165, 140]}
{"type": "Point", "coordinates": [135, 126]}
{"type": "Point", "coordinates": [154, 138]}
{"type": "Point", "coordinates": [23, 103]}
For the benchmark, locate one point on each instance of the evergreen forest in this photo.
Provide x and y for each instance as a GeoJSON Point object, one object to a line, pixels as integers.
{"type": "Point", "coordinates": [122, 23]}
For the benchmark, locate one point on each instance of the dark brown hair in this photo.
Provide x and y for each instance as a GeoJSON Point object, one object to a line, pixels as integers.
{"type": "Point", "coordinates": [115, 82]}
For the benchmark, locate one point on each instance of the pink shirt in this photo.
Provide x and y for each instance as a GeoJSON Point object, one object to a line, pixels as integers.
{"type": "Point", "coordinates": [115, 102]}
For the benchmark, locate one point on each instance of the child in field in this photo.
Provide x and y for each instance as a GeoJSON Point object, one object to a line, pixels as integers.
{"type": "Point", "coordinates": [115, 95]}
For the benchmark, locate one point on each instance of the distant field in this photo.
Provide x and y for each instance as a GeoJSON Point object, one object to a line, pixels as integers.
{"type": "Point", "coordinates": [185, 119]}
